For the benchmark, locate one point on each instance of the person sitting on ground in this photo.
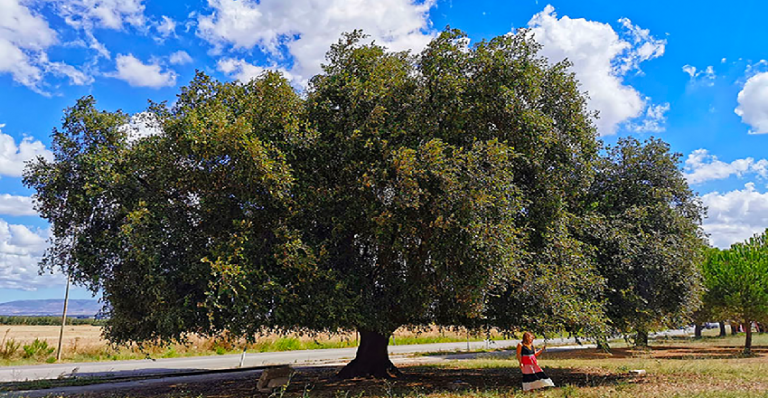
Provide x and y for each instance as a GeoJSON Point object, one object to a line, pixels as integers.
{"type": "Point", "coordinates": [533, 376]}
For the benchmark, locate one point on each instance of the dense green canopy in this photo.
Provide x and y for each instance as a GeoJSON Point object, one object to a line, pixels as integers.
{"type": "Point", "coordinates": [460, 186]}
{"type": "Point", "coordinates": [645, 229]}
{"type": "Point", "coordinates": [737, 283]}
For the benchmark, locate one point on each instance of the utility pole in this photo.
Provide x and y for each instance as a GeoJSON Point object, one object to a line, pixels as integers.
{"type": "Point", "coordinates": [63, 320]}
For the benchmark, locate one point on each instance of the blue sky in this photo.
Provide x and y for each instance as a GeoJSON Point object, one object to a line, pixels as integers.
{"type": "Point", "coordinates": [692, 73]}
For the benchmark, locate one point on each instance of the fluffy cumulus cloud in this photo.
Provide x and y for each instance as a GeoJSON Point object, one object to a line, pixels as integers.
{"type": "Point", "coordinates": [20, 251]}
{"type": "Point", "coordinates": [735, 216]}
{"type": "Point", "coordinates": [305, 29]}
{"type": "Point", "coordinates": [701, 166]}
{"type": "Point", "coordinates": [25, 36]}
{"type": "Point", "coordinates": [601, 58]}
{"type": "Point", "coordinates": [13, 156]}
{"type": "Point", "coordinates": [14, 205]}
{"type": "Point", "coordinates": [139, 74]}
{"type": "Point", "coordinates": [753, 103]}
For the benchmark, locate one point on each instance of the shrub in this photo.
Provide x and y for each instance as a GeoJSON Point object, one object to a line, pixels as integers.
{"type": "Point", "coordinates": [9, 348]}
{"type": "Point", "coordinates": [36, 349]}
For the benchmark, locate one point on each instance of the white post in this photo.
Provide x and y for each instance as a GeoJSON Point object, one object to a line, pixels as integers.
{"type": "Point", "coordinates": [467, 339]}
{"type": "Point", "coordinates": [63, 320]}
{"type": "Point", "coordinates": [242, 357]}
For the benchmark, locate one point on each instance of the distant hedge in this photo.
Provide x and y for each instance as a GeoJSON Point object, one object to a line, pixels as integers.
{"type": "Point", "coordinates": [48, 320]}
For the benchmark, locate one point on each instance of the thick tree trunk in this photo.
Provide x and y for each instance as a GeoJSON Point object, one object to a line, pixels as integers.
{"type": "Point", "coordinates": [372, 358]}
{"type": "Point", "coordinates": [722, 329]}
{"type": "Point", "coordinates": [697, 331]}
{"type": "Point", "coordinates": [641, 340]}
{"type": "Point", "coordinates": [748, 339]}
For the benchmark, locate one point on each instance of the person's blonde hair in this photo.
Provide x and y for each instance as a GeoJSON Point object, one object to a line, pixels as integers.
{"type": "Point", "coordinates": [527, 338]}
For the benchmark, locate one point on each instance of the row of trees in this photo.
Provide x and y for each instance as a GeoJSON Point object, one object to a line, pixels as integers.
{"type": "Point", "coordinates": [736, 282]}
{"type": "Point", "coordinates": [460, 186]}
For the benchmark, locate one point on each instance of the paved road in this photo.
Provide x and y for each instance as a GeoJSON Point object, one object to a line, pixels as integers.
{"type": "Point", "coordinates": [178, 365]}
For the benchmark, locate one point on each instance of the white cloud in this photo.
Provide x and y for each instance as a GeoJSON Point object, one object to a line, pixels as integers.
{"type": "Point", "coordinates": [701, 166]}
{"type": "Point", "coordinates": [653, 120]}
{"type": "Point", "coordinates": [643, 47]}
{"type": "Point", "coordinates": [735, 216]}
{"type": "Point", "coordinates": [12, 156]}
{"type": "Point", "coordinates": [706, 76]}
{"type": "Point", "coordinates": [601, 58]}
{"type": "Point", "coordinates": [756, 68]}
{"type": "Point", "coordinates": [13, 60]}
{"type": "Point", "coordinates": [245, 72]}
{"type": "Point", "coordinates": [180, 58]}
{"type": "Point", "coordinates": [107, 14]}
{"type": "Point", "coordinates": [20, 251]}
{"type": "Point", "coordinates": [305, 29]}
{"type": "Point", "coordinates": [753, 103]}
{"type": "Point", "coordinates": [75, 76]}
{"type": "Point", "coordinates": [21, 27]}
{"type": "Point", "coordinates": [24, 38]}
{"type": "Point", "coordinates": [139, 74]}
{"type": "Point", "coordinates": [14, 205]}
{"type": "Point", "coordinates": [165, 28]}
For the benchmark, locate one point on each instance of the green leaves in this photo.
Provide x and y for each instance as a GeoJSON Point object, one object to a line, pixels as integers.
{"type": "Point", "coordinates": [645, 227]}
{"type": "Point", "coordinates": [737, 280]}
{"type": "Point", "coordinates": [459, 186]}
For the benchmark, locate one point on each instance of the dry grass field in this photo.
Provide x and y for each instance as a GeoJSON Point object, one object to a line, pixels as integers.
{"type": "Point", "coordinates": [87, 334]}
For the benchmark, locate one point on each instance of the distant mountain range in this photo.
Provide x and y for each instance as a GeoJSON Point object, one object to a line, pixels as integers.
{"type": "Point", "coordinates": [52, 307]}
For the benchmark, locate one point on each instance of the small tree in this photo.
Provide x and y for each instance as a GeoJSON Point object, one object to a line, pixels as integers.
{"type": "Point", "coordinates": [737, 282]}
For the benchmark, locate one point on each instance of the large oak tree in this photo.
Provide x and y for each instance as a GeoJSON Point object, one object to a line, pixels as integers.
{"type": "Point", "coordinates": [449, 187]}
